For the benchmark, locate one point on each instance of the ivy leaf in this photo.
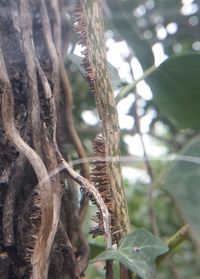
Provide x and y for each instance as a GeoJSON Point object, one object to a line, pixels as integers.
{"type": "Point", "coordinates": [175, 87]}
{"type": "Point", "coordinates": [137, 251]}
{"type": "Point", "coordinates": [182, 182]}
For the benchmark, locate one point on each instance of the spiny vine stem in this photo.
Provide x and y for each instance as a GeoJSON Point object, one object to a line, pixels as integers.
{"type": "Point", "coordinates": [91, 190]}
{"type": "Point", "coordinates": [88, 23]}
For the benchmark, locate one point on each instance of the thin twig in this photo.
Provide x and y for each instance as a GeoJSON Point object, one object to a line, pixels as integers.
{"type": "Point", "coordinates": [69, 118]}
{"type": "Point", "coordinates": [152, 215]}
{"type": "Point", "coordinates": [91, 190]}
{"type": "Point", "coordinates": [73, 133]}
{"type": "Point", "coordinates": [131, 87]}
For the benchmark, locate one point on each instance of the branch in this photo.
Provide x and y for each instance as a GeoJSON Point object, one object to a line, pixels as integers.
{"type": "Point", "coordinates": [146, 159]}
{"type": "Point", "coordinates": [73, 133]}
{"type": "Point", "coordinates": [89, 24]}
{"type": "Point", "coordinates": [90, 189]}
{"type": "Point", "coordinates": [96, 68]}
{"type": "Point", "coordinates": [174, 241]}
{"type": "Point", "coordinates": [130, 87]}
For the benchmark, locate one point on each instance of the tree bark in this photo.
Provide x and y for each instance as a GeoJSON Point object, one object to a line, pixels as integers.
{"type": "Point", "coordinates": [39, 214]}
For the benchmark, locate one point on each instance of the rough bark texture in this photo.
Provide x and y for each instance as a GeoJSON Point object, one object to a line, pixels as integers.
{"type": "Point", "coordinates": [90, 27]}
{"type": "Point", "coordinates": [40, 231]}
{"type": "Point", "coordinates": [31, 45]}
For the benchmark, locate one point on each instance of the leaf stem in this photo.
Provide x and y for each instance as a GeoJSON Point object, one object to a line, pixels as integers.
{"type": "Point", "coordinates": [109, 269]}
{"type": "Point", "coordinates": [174, 241]}
{"type": "Point", "coordinates": [127, 89]}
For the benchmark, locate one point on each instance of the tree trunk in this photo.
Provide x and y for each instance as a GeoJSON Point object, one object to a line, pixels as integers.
{"type": "Point", "coordinates": [32, 188]}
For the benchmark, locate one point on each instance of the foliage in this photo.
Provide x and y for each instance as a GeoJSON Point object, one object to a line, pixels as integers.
{"type": "Point", "coordinates": [137, 251]}
{"type": "Point", "coordinates": [176, 90]}
{"type": "Point", "coordinates": [181, 181]}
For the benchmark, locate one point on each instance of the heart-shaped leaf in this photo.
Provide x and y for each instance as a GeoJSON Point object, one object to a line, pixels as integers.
{"type": "Point", "coordinates": [137, 251]}
{"type": "Point", "coordinates": [182, 182]}
{"type": "Point", "coordinates": [176, 90]}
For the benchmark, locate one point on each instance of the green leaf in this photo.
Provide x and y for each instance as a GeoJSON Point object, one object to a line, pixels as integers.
{"type": "Point", "coordinates": [176, 90]}
{"type": "Point", "coordinates": [182, 182]}
{"type": "Point", "coordinates": [137, 251]}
